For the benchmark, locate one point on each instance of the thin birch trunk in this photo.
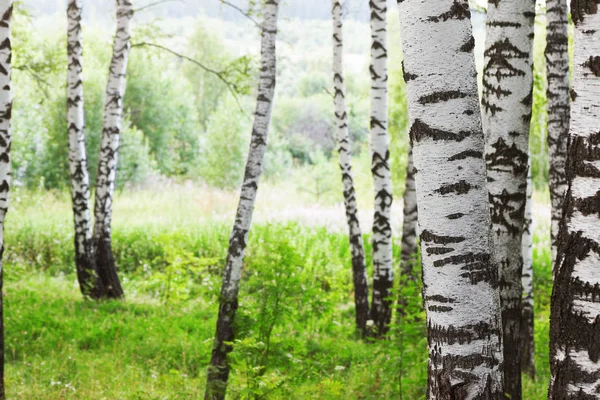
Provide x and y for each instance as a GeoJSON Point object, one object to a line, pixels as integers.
{"type": "Point", "coordinates": [527, 321]}
{"type": "Point", "coordinates": [383, 274]}
{"type": "Point", "coordinates": [575, 308]}
{"type": "Point", "coordinates": [6, 8]}
{"type": "Point", "coordinates": [218, 371]}
{"type": "Point", "coordinates": [409, 224]}
{"type": "Point", "coordinates": [85, 264]}
{"type": "Point", "coordinates": [460, 280]}
{"type": "Point", "coordinates": [506, 101]}
{"type": "Point", "coordinates": [109, 152]}
{"type": "Point", "coordinates": [359, 271]}
{"type": "Point", "coordinates": [557, 70]}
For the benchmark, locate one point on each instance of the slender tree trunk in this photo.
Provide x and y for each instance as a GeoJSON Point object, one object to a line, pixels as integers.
{"type": "Point", "coordinates": [575, 308]}
{"type": "Point", "coordinates": [527, 322]}
{"type": "Point", "coordinates": [460, 280]}
{"type": "Point", "coordinates": [80, 181]}
{"type": "Point", "coordinates": [383, 273]}
{"type": "Point", "coordinates": [359, 271]}
{"type": "Point", "coordinates": [218, 371]}
{"type": "Point", "coordinates": [6, 8]}
{"type": "Point", "coordinates": [409, 224]}
{"type": "Point", "coordinates": [557, 70]}
{"type": "Point", "coordinates": [109, 152]}
{"type": "Point", "coordinates": [507, 99]}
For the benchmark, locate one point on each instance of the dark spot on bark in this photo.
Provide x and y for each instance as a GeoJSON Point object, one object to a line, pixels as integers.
{"type": "Point", "coordinates": [594, 65]}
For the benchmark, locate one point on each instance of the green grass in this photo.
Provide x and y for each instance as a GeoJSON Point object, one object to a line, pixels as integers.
{"type": "Point", "coordinates": [295, 324]}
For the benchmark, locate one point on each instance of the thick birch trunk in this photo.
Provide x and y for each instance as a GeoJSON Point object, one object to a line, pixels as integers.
{"type": "Point", "coordinates": [527, 322]}
{"type": "Point", "coordinates": [460, 280]}
{"type": "Point", "coordinates": [409, 224]}
{"type": "Point", "coordinates": [575, 309]}
{"type": "Point", "coordinates": [506, 100]}
{"type": "Point", "coordinates": [557, 69]}
{"type": "Point", "coordinates": [383, 275]}
{"type": "Point", "coordinates": [6, 8]}
{"type": "Point", "coordinates": [359, 271]}
{"type": "Point", "coordinates": [80, 181]}
{"type": "Point", "coordinates": [109, 152]}
{"type": "Point", "coordinates": [218, 371]}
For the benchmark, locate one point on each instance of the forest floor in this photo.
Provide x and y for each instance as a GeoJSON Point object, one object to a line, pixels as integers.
{"type": "Point", "coordinates": [296, 336]}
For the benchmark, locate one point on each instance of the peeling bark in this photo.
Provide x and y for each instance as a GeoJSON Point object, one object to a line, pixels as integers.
{"type": "Point", "coordinates": [527, 313]}
{"type": "Point", "coordinates": [85, 264]}
{"type": "Point", "coordinates": [6, 8]}
{"type": "Point", "coordinates": [109, 152]}
{"type": "Point", "coordinates": [218, 371]}
{"type": "Point", "coordinates": [575, 307]}
{"type": "Point", "coordinates": [359, 271]}
{"type": "Point", "coordinates": [557, 71]}
{"type": "Point", "coordinates": [383, 273]}
{"type": "Point", "coordinates": [507, 101]}
{"type": "Point", "coordinates": [460, 280]}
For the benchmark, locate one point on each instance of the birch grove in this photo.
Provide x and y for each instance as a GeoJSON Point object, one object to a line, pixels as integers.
{"type": "Point", "coordinates": [459, 278]}
{"type": "Point", "coordinates": [506, 103]}
{"type": "Point", "coordinates": [575, 308]}
{"type": "Point", "coordinates": [557, 73]}
{"type": "Point", "coordinates": [359, 271]}
{"type": "Point", "coordinates": [383, 273]}
{"type": "Point", "coordinates": [218, 371]}
{"type": "Point", "coordinates": [85, 263]}
{"type": "Point", "coordinates": [109, 151]}
{"type": "Point", "coordinates": [6, 9]}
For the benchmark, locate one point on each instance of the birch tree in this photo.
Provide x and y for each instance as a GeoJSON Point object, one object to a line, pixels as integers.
{"type": "Point", "coordinates": [359, 271]}
{"type": "Point", "coordinates": [575, 307]}
{"type": "Point", "coordinates": [85, 263]}
{"type": "Point", "coordinates": [557, 71]}
{"type": "Point", "coordinates": [383, 273]}
{"type": "Point", "coordinates": [460, 280]}
{"type": "Point", "coordinates": [527, 321]}
{"type": "Point", "coordinates": [218, 371]}
{"type": "Point", "coordinates": [109, 151]}
{"type": "Point", "coordinates": [506, 101]}
{"type": "Point", "coordinates": [409, 223]}
{"type": "Point", "coordinates": [6, 8]}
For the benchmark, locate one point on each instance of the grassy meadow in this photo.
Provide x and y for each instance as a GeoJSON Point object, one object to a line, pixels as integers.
{"type": "Point", "coordinates": [296, 337]}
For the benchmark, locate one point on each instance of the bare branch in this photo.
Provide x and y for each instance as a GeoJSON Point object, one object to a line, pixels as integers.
{"type": "Point", "coordinates": [328, 92]}
{"type": "Point", "coordinates": [244, 13]}
{"type": "Point", "coordinates": [156, 3]}
{"type": "Point", "coordinates": [230, 86]}
{"type": "Point", "coordinates": [42, 84]}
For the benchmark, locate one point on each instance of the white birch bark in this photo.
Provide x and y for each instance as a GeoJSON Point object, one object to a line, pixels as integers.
{"type": "Point", "coordinates": [557, 70]}
{"type": "Point", "coordinates": [506, 101]}
{"type": "Point", "coordinates": [78, 167]}
{"type": "Point", "coordinates": [6, 8]}
{"type": "Point", "coordinates": [218, 372]}
{"type": "Point", "coordinates": [460, 280]}
{"type": "Point", "coordinates": [575, 309]}
{"type": "Point", "coordinates": [383, 274]}
{"type": "Point", "coordinates": [527, 321]}
{"type": "Point", "coordinates": [109, 151]}
{"type": "Point", "coordinates": [359, 271]}
{"type": "Point", "coordinates": [409, 224]}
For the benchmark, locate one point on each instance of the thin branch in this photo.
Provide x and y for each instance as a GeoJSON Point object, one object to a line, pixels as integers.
{"type": "Point", "coordinates": [230, 86]}
{"type": "Point", "coordinates": [328, 92]}
{"type": "Point", "coordinates": [156, 3]}
{"type": "Point", "coordinates": [41, 82]}
{"type": "Point", "coordinates": [244, 13]}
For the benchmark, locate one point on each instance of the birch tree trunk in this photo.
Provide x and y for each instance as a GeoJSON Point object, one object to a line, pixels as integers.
{"type": "Point", "coordinates": [85, 264]}
{"type": "Point", "coordinates": [383, 274]}
{"type": "Point", "coordinates": [527, 321]}
{"type": "Point", "coordinates": [109, 152]}
{"type": "Point", "coordinates": [575, 308]}
{"type": "Point", "coordinates": [359, 271]}
{"type": "Point", "coordinates": [460, 280]}
{"type": "Point", "coordinates": [557, 70]}
{"type": "Point", "coordinates": [6, 8]}
{"type": "Point", "coordinates": [218, 371]}
{"type": "Point", "coordinates": [506, 100]}
{"type": "Point", "coordinates": [409, 224]}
